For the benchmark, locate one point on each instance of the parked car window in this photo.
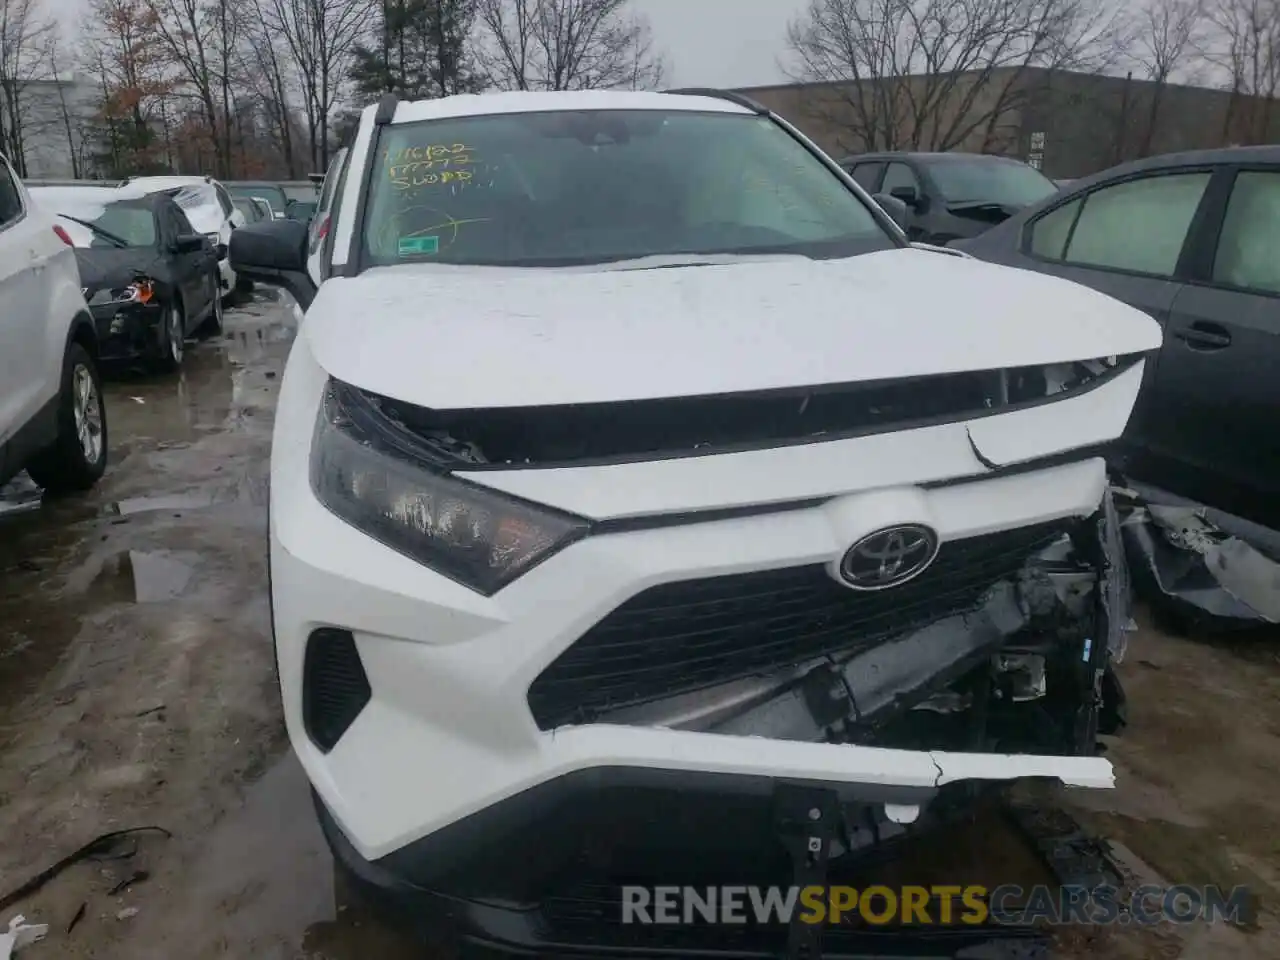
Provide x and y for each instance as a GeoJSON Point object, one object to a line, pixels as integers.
{"type": "Point", "coordinates": [246, 206]}
{"type": "Point", "coordinates": [169, 225]}
{"type": "Point", "coordinates": [899, 175]}
{"type": "Point", "coordinates": [589, 187]}
{"type": "Point", "coordinates": [1249, 246]}
{"type": "Point", "coordinates": [1139, 225]}
{"type": "Point", "coordinates": [224, 199]}
{"type": "Point", "coordinates": [991, 180]}
{"type": "Point", "coordinates": [867, 175]}
{"type": "Point", "coordinates": [104, 224]}
{"type": "Point", "coordinates": [1049, 234]}
{"type": "Point", "coordinates": [272, 194]}
{"type": "Point", "coordinates": [10, 199]}
{"type": "Point", "coordinates": [182, 224]}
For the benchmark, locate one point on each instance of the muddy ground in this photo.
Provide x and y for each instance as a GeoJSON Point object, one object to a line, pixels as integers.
{"type": "Point", "coordinates": [136, 689]}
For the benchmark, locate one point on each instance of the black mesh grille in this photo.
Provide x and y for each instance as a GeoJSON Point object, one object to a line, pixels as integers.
{"type": "Point", "coordinates": [334, 686]}
{"type": "Point", "coordinates": [682, 636]}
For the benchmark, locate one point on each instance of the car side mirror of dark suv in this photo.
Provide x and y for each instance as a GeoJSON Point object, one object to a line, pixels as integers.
{"type": "Point", "coordinates": [190, 243]}
{"type": "Point", "coordinates": [908, 195]}
{"type": "Point", "coordinates": [894, 207]}
{"type": "Point", "coordinates": [274, 252]}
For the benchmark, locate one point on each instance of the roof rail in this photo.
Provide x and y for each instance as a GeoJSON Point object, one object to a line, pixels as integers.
{"type": "Point", "coordinates": [386, 109]}
{"type": "Point", "coordinates": [752, 105]}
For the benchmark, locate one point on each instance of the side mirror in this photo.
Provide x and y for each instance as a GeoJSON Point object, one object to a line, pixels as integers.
{"type": "Point", "coordinates": [893, 206]}
{"type": "Point", "coordinates": [190, 243]}
{"type": "Point", "coordinates": [907, 195]}
{"type": "Point", "coordinates": [274, 252]}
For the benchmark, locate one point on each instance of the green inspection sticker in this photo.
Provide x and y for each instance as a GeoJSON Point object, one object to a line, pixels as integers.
{"type": "Point", "coordinates": [408, 246]}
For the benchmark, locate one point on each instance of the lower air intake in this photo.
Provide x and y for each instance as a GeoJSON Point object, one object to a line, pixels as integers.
{"type": "Point", "coordinates": [335, 687]}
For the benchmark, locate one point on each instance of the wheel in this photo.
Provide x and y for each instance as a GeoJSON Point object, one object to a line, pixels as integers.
{"type": "Point", "coordinates": [173, 338]}
{"type": "Point", "coordinates": [213, 322]}
{"type": "Point", "coordinates": [78, 457]}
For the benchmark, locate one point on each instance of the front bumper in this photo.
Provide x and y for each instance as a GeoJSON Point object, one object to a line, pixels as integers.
{"type": "Point", "coordinates": [551, 885]}
{"type": "Point", "coordinates": [128, 331]}
{"type": "Point", "coordinates": [450, 671]}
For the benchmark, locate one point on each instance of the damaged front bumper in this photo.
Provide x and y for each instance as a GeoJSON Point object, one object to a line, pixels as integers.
{"type": "Point", "coordinates": [128, 331]}
{"type": "Point", "coordinates": [684, 790]}
{"type": "Point", "coordinates": [1029, 667]}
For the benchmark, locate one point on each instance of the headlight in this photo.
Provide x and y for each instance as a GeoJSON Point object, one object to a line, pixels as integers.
{"type": "Point", "coordinates": [366, 472]}
{"type": "Point", "coordinates": [140, 291]}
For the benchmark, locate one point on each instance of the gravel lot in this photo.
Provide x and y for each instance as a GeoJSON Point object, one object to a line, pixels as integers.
{"type": "Point", "coordinates": [136, 689]}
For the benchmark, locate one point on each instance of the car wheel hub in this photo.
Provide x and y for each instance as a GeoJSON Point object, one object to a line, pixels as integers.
{"type": "Point", "coordinates": [88, 413]}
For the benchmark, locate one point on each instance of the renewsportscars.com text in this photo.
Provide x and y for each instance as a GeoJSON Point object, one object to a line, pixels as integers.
{"type": "Point", "coordinates": [943, 905]}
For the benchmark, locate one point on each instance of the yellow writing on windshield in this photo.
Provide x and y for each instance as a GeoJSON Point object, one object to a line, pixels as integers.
{"type": "Point", "coordinates": [406, 179]}
{"type": "Point", "coordinates": [429, 165]}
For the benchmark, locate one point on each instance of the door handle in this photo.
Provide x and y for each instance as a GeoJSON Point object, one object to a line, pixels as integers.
{"type": "Point", "coordinates": [1205, 336]}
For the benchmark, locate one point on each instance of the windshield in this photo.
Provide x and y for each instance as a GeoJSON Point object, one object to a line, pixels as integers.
{"type": "Point", "coordinates": [584, 187]}
{"type": "Point", "coordinates": [273, 195]}
{"type": "Point", "coordinates": [1005, 182]}
{"type": "Point", "coordinates": [120, 223]}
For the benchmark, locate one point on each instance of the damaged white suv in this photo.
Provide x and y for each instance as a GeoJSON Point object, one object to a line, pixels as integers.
{"type": "Point", "coordinates": [641, 501]}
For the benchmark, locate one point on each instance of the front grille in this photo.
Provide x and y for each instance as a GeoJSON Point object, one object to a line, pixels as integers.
{"type": "Point", "coordinates": [335, 687]}
{"type": "Point", "coordinates": [684, 636]}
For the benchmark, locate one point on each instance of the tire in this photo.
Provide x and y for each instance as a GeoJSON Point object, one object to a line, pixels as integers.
{"type": "Point", "coordinates": [78, 457]}
{"type": "Point", "coordinates": [173, 338]}
{"type": "Point", "coordinates": [213, 323]}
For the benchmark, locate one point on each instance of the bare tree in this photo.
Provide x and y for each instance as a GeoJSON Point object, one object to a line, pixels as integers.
{"type": "Point", "coordinates": [1244, 43]}
{"type": "Point", "coordinates": [199, 38]}
{"type": "Point", "coordinates": [270, 78]}
{"type": "Point", "coordinates": [319, 36]}
{"type": "Point", "coordinates": [932, 74]}
{"type": "Point", "coordinates": [566, 45]}
{"type": "Point", "coordinates": [1165, 40]}
{"type": "Point", "coordinates": [27, 38]}
{"type": "Point", "coordinates": [134, 74]}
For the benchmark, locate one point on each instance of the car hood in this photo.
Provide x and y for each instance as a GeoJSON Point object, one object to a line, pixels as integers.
{"type": "Point", "coordinates": [111, 268]}
{"type": "Point", "coordinates": [468, 337]}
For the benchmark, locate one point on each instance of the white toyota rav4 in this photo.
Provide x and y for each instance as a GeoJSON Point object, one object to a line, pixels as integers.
{"type": "Point", "coordinates": [643, 504]}
{"type": "Point", "coordinates": [52, 417]}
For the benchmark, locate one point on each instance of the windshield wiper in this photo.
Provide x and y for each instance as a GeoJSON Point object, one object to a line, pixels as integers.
{"type": "Point", "coordinates": [98, 231]}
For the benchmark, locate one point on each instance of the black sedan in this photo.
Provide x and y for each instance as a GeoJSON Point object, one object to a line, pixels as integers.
{"type": "Point", "coordinates": [1193, 239]}
{"type": "Point", "coordinates": [949, 196]}
{"type": "Point", "coordinates": [149, 278]}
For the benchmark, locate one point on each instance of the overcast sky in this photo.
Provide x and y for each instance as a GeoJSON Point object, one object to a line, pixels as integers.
{"type": "Point", "coordinates": [714, 43]}
{"type": "Point", "coordinates": [721, 43]}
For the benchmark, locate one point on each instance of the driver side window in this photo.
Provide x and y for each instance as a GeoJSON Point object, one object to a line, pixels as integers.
{"type": "Point", "coordinates": [899, 175]}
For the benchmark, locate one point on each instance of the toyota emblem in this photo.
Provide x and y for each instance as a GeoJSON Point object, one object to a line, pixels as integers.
{"type": "Point", "coordinates": [889, 557]}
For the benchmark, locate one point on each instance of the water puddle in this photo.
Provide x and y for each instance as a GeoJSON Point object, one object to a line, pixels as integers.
{"type": "Point", "coordinates": [264, 877]}
{"type": "Point", "coordinates": [145, 576]}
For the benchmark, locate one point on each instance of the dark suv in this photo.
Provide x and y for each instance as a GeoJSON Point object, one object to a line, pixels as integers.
{"type": "Point", "coordinates": [950, 196]}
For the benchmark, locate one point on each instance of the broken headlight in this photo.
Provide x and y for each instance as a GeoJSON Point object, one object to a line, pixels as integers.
{"type": "Point", "coordinates": [367, 471]}
{"type": "Point", "coordinates": [140, 291]}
